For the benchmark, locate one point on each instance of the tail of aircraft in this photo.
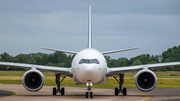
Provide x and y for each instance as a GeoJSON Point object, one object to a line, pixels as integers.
{"type": "Point", "coordinates": [90, 39]}
{"type": "Point", "coordinates": [90, 35]}
{"type": "Point", "coordinates": [89, 28]}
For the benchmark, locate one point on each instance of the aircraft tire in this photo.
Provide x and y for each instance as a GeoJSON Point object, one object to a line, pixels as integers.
{"type": "Point", "coordinates": [124, 91]}
{"type": "Point", "coordinates": [54, 91]}
{"type": "Point", "coordinates": [116, 91]}
{"type": "Point", "coordinates": [86, 94]}
{"type": "Point", "coordinates": [62, 91]}
{"type": "Point", "coordinates": [91, 94]}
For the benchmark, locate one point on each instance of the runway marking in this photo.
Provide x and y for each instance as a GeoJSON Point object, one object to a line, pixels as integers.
{"type": "Point", "coordinates": [14, 93]}
{"type": "Point", "coordinates": [147, 96]}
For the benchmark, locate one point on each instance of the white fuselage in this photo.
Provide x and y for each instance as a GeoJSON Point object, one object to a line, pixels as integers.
{"type": "Point", "coordinates": [89, 66]}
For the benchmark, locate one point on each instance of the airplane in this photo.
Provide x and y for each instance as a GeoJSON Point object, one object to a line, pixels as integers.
{"type": "Point", "coordinates": [89, 67]}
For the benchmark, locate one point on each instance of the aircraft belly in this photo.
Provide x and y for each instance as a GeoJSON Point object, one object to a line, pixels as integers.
{"type": "Point", "coordinates": [89, 77]}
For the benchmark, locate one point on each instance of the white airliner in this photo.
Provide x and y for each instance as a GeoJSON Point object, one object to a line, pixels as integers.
{"type": "Point", "coordinates": [89, 67]}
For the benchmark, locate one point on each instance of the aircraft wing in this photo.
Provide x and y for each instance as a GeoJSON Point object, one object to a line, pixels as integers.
{"type": "Point", "coordinates": [122, 70]}
{"type": "Point", "coordinates": [56, 70]}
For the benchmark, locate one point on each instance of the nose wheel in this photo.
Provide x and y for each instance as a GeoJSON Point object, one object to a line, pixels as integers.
{"type": "Point", "coordinates": [89, 93]}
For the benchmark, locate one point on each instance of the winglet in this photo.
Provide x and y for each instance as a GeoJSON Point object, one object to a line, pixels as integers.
{"type": "Point", "coordinates": [89, 28]}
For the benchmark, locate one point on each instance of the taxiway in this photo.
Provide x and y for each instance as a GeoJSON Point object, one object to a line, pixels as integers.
{"type": "Point", "coordinates": [78, 94]}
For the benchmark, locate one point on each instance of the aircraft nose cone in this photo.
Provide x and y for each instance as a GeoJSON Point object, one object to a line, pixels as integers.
{"type": "Point", "coordinates": [88, 74]}
{"type": "Point", "coordinates": [90, 68]}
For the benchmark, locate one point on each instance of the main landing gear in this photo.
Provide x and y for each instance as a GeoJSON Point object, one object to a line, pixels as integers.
{"type": "Point", "coordinates": [89, 89]}
{"type": "Point", "coordinates": [58, 82]}
{"type": "Point", "coordinates": [120, 81]}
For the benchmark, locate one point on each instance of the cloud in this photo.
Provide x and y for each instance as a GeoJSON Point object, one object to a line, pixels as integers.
{"type": "Point", "coordinates": [137, 24]}
{"type": "Point", "coordinates": [59, 23]}
{"type": "Point", "coordinates": [25, 26]}
{"type": "Point", "coordinates": [164, 7]}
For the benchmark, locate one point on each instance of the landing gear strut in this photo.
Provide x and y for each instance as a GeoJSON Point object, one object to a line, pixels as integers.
{"type": "Point", "coordinates": [120, 81]}
{"type": "Point", "coordinates": [58, 82]}
{"type": "Point", "coordinates": [89, 91]}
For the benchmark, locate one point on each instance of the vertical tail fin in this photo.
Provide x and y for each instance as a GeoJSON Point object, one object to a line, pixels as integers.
{"type": "Point", "coordinates": [89, 28]}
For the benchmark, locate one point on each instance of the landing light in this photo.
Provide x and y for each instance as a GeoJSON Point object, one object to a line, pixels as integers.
{"type": "Point", "coordinates": [87, 84]}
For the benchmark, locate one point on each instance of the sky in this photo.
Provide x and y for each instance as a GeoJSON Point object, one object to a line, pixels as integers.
{"type": "Point", "coordinates": [28, 25]}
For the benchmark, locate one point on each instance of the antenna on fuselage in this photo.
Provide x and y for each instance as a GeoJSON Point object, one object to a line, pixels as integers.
{"type": "Point", "coordinates": [89, 28]}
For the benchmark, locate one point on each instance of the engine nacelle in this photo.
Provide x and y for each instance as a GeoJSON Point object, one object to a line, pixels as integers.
{"type": "Point", "coordinates": [145, 80]}
{"type": "Point", "coordinates": [33, 80]}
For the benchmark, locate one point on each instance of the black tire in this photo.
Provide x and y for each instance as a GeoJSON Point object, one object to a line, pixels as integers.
{"type": "Point", "coordinates": [86, 94]}
{"type": "Point", "coordinates": [124, 91]}
{"type": "Point", "coordinates": [62, 91]}
{"type": "Point", "coordinates": [91, 94]}
{"type": "Point", "coordinates": [116, 91]}
{"type": "Point", "coordinates": [54, 91]}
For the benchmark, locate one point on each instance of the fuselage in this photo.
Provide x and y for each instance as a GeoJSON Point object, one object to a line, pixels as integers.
{"type": "Point", "coordinates": [89, 66]}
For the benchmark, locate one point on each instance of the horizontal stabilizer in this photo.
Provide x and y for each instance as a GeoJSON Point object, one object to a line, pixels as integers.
{"type": "Point", "coordinates": [121, 50]}
{"type": "Point", "coordinates": [60, 50]}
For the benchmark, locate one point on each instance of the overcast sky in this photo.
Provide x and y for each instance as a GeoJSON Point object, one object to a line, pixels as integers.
{"type": "Point", "coordinates": [28, 25]}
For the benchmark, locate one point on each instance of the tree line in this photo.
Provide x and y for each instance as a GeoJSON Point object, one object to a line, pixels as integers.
{"type": "Point", "coordinates": [60, 59]}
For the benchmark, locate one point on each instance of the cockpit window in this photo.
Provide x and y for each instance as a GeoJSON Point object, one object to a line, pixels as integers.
{"type": "Point", "coordinates": [89, 61]}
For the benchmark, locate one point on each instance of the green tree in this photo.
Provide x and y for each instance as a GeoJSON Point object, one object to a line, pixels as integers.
{"type": "Point", "coordinates": [38, 59]}
{"type": "Point", "coordinates": [22, 59]}
{"type": "Point", "coordinates": [136, 62]}
{"type": "Point", "coordinates": [108, 59]}
{"type": "Point", "coordinates": [152, 62]}
{"type": "Point", "coordinates": [6, 57]}
{"type": "Point", "coordinates": [45, 58]}
{"type": "Point", "coordinates": [163, 69]}
{"type": "Point", "coordinates": [122, 62]}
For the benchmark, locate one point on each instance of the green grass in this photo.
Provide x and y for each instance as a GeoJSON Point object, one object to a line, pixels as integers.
{"type": "Point", "coordinates": [165, 80]}
{"type": "Point", "coordinates": [12, 73]}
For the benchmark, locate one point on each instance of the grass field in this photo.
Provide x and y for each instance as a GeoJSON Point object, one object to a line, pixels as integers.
{"type": "Point", "coordinates": [165, 80]}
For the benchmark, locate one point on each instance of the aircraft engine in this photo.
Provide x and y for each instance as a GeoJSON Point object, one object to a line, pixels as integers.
{"type": "Point", "coordinates": [33, 80]}
{"type": "Point", "coordinates": [145, 80]}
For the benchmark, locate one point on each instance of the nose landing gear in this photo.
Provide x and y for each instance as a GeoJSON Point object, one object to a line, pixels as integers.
{"type": "Point", "coordinates": [89, 91]}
